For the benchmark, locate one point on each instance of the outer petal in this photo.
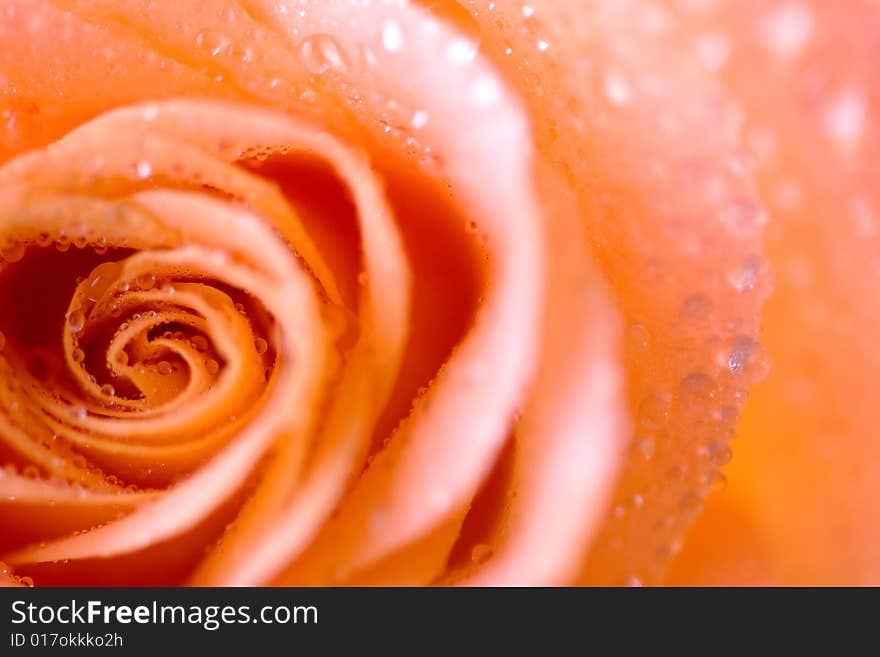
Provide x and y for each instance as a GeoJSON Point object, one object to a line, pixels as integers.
{"type": "Point", "coordinates": [807, 470]}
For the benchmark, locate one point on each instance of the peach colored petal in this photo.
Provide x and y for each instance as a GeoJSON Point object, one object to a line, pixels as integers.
{"type": "Point", "coordinates": [806, 472]}
{"type": "Point", "coordinates": [649, 144]}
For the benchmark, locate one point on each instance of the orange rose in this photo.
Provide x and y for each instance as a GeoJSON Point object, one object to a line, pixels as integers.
{"type": "Point", "coordinates": [336, 293]}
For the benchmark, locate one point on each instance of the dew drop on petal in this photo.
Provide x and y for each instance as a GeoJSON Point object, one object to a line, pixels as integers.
{"type": "Point", "coordinates": [31, 472]}
{"type": "Point", "coordinates": [741, 216]}
{"type": "Point", "coordinates": [747, 357]}
{"type": "Point", "coordinates": [461, 52]}
{"type": "Point", "coordinates": [76, 321]}
{"type": "Point", "coordinates": [485, 91]}
{"type": "Point", "coordinates": [617, 89]}
{"type": "Point", "coordinates": [720, 453]}
{"type": "Point", "coordinates": [642, 448]}
{"type": "Point", "coordinates": [319, 53]}
{"type": "Point", "coordinates": [653, 411]}
{"type": "Point", "coordinates": [13, 252]}
{"type": "Point", "coordinates": [689, 500]}
{"type": "Point", "coordinates": [481, 553]}
{"type": "Point", "coordinates": [788, 28]}
{"type": "Point", "coordinates": [844, 118]}
{"type": "Point", "coordinates": [144, 170]}
{"type": "Point", "coordinates": [696, 308]}
{"type": "Point", "coordinates": [392, 37]}
{"type": "Point", "coordinates": [744, 278]}
{"type": "Point", "coordinates": [419, 119]}
{"type": "Point", "coordinates": [146, 282]}
{"type": "Point", "coordinates": [713, 49]}
{"type": "Point", "coordinates": [696, 389]}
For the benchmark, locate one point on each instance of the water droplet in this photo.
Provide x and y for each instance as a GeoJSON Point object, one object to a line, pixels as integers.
{"type": "Point", "coordinates": [145, 282]}
{"type": "Point", "coordinates": [108, 390]}
{"type": "Point", "coordinates": [78, 355]}
{"type": "Point", "coordinates": [741, 216]}
{"type": "Point", "coordinates": [643, 448]}
{"type": "Point", "coordinates": [144, 170]}
{"type": "Point", "coordinates": [200, 342]}
{"type": "Point", "coordinates": [392, 37]}
{"type": "Point", "coordinates": [713, 49]}
{"type": "Point", "coordinates": [13, 252]}
{"type": "Point", "coordinates": [617, 89]}
{"type": "Point", "coordinates": [76, 320]}
{"type": "Point", "coordinates": [165, 368]}
{"type": "Point", "coordinates": [485, 91]}
{"type": "Point", "coordinates": [637, 339]}
{"type": "Point", "coordinates": [319, 53]}
{"type": "Point", "coordinates": [419, 119]}
{"type": "Point", "coordinates": [689, 500]}
{"type": "Point", "coordinates": [720, 453]}
{"type": "Point", "coordinates": [461, 51]}
{"type": "Point", "coordinates": [696, 308]}
{"type": "Point", "coordinates": [845, 116]}
{"type": "Point", "coordinates": [212, 366]}
{"type": "Point", "coordinates": [653, 411]}
{"type": "Point", "coordinates": [744, 278]}
{"type": "Point", "coordinates": [26, 581]}
{"type": "Point", "coordinates": [696, 390]}
{"type": "Point", "coordinates": [481, 553]}
{"type": "Point", "coordinates": [62, 244]}
{"type": "Point", "coordinates": [748, 357]}
{"type": "Point", "coordinates": [787, 29]}
{"type": "Point", "coordinates": [719, 482]}
{"type": "Point", "coordinates": [261, 346]}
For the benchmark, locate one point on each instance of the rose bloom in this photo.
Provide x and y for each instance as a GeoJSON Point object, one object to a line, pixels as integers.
{"type": "Point", "coordinates": [320, 292]}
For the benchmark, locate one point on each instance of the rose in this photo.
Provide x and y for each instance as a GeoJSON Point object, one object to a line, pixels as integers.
{"type": "Point", "coordinates": [541, 121]}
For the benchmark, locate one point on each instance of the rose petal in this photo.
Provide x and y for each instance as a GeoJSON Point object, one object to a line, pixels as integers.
{"type": "Point", "coordinates": [806, 471]}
